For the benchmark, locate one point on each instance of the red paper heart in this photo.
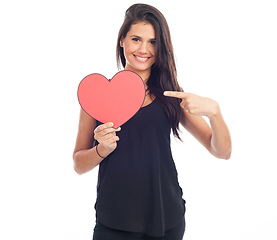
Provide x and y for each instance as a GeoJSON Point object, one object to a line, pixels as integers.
{"type": "Point", "coordinates": [114, 101]}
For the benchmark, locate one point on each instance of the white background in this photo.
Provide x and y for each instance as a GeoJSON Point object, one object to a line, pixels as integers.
{"type": "Point", "coordinates": [225, 50]}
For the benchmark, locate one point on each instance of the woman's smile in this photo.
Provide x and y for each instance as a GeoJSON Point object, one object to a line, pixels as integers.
{"type": "Point", "coordinates": [141, 59]}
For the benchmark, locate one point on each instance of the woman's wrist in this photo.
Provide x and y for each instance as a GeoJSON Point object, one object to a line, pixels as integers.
{"type": "Point", "coordinates": [98, 152]}
{"type": "Point", "coordinates": [101, 151]}
{"type": "Point", "coordinates": [215, 110]}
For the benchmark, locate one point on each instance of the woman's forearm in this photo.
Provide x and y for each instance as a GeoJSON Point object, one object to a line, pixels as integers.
{"type": "Point", "coordinates": [87, 159]}
{"type": "Point", "coordinates": [221, 139]}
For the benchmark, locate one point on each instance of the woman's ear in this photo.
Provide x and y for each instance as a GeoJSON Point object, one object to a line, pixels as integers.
{"type": "Point", "coordinates": [121, 41]}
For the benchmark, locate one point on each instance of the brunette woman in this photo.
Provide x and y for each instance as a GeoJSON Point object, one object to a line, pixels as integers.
{"type": "Point", "coordinates": [138, 194]}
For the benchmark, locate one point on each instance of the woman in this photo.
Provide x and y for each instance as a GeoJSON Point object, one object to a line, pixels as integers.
{"type": "Point", "coordinates": [138, 194]}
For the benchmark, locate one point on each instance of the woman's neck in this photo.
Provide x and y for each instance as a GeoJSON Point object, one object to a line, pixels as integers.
{"type": "Point", "coordinates": [145, 74]}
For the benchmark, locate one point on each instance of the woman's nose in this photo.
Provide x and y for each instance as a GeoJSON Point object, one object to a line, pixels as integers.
{"type": "Point", "coordinates": [143, 48]}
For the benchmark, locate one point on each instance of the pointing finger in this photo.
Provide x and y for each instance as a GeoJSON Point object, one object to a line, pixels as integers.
{"type": "Point", "coordinates": [175, 94]}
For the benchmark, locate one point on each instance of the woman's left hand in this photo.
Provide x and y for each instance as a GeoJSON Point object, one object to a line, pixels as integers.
{"type": "Point", "coordinates": [194, 104]}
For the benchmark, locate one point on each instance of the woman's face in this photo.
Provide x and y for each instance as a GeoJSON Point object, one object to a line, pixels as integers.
{"type": "Point", "coordinates": [139, 49]}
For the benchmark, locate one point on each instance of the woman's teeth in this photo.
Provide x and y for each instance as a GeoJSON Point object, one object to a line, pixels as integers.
{"type": "Point", "coordinates": [141, 59]}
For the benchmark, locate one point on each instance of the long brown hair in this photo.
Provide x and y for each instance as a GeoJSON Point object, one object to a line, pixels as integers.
{"type": "Point", "coordinates": [163, 75]}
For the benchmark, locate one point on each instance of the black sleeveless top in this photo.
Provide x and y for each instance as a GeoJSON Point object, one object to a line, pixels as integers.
{"type": "Point", "coordinates": [138, 189]}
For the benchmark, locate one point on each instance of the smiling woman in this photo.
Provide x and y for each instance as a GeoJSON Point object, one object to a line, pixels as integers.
{"type": "Point", "coordinates": [147, 27]}
{"type": "Point", "coordinates": [138, 193]}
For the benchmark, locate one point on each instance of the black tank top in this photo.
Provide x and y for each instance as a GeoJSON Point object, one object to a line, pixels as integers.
{"type": "Point", "coordinates": [138, 189]}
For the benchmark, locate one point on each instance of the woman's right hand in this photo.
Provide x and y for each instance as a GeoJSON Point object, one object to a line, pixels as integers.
{"type": "Point", "coordinates": [105, 134]}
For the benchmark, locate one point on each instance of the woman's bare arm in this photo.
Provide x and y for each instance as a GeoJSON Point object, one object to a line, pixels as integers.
{"type": "Point", "coordinates": [216, 139]}
{"type": "Point", "coordinates": [85, 156]}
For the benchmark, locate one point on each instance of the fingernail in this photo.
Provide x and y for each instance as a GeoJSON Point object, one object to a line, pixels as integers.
{"type": "Point", "coordinates": [111, 124]}
{"type": "Point", "coordinates": [165, 93]}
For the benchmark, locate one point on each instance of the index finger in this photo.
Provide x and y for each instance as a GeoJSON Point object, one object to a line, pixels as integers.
{"type": "Point", "coordinates": [175, 94]}
{"type": "Point", "coordinates": [104, 126]}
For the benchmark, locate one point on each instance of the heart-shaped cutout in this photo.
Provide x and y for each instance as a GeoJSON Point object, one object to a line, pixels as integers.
{"type": "Point", "coordinates": [114, 101]}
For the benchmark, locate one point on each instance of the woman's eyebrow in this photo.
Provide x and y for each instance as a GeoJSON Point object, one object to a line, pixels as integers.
{"type": "Point", "coordinates": [136, 36]}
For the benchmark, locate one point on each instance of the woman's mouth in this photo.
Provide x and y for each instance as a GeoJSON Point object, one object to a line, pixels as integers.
{"type": "Point", "coordinates": [141, 59]}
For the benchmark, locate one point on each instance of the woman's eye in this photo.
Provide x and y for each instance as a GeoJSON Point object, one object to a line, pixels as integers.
{"type": "Point", "coordinates": [153, 42]}
{"type": "Point", "coordinates": [135, 39]}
